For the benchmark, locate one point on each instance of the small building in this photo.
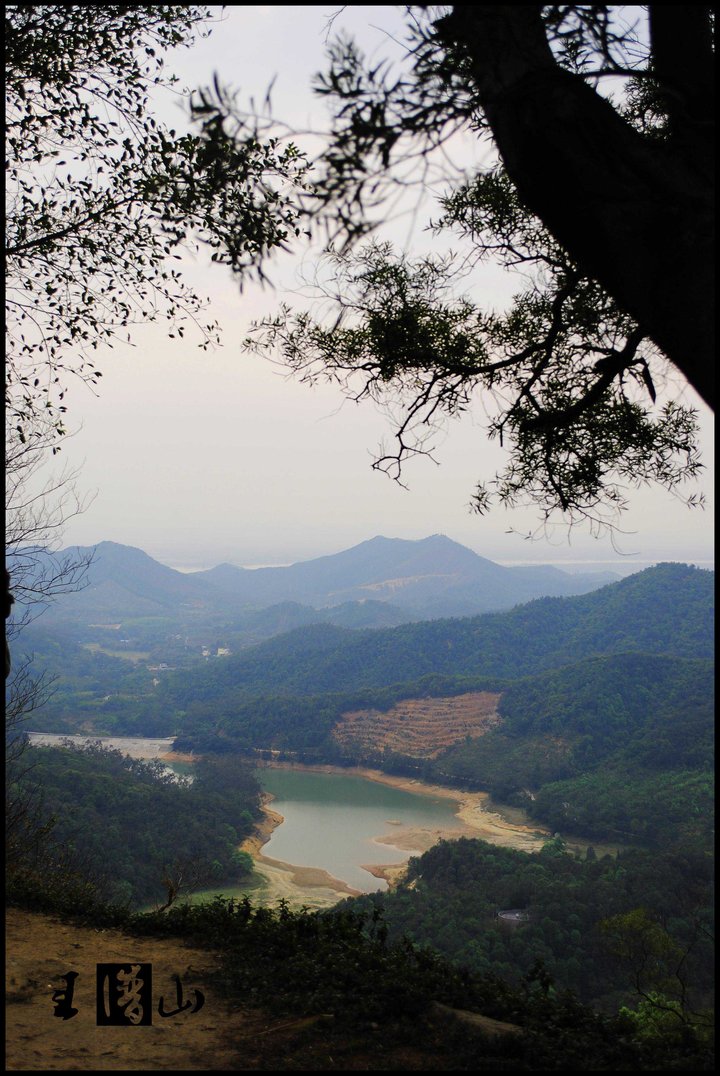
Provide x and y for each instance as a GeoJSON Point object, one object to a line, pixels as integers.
{"type": "Point", "coordinates": [512, 918]}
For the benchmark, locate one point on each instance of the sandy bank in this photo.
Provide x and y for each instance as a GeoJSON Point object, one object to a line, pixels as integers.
{"type": "Point", "coordinates": [270, 820]}
{"type": "Point", "coordinates": [475, 813]}
{"type": "Point", "coordinates": [178, 756]}
{"type": "Point", "coordinates": [473, 819]}
{"type": "Point", "coordinates": [389, 872]}
{"type": "Point", "coordinates": [309, 877]}
{"type": "Point", "coordinates": [309, 886]}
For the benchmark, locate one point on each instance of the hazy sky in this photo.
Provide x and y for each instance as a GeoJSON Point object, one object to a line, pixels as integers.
{"type": "Point", "coordinates": [202, 457]}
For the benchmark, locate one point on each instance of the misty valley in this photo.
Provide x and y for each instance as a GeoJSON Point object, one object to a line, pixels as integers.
{"type": "Point", "coordinates": [283, 280]}
{"type": "Point", "coordinates": [545, 743]}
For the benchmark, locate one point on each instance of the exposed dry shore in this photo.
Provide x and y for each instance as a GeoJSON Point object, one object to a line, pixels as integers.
{"type": "Point", "coordinates": [313, 887]}
{"type": "Point", "coordinates": [178, 756]}
{"type": "Point", "coordinates": [301, 885]}
{"type": "Point", "coordinates": [309, 886]}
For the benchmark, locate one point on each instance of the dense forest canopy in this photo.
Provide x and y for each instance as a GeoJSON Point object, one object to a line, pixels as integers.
{"type": "Point", "coordinates": [131, 827]}
{"type": "Point", "coordinates": [575, 908]}
{"type": "Point", "coordinates": [666, 609]}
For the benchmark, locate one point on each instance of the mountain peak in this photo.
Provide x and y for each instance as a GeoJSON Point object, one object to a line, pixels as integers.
{"type": "Point", "coordinates": [428, 577]}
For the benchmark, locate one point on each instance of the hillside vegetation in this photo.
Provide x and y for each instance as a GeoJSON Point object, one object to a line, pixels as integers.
{"type": "Point", "coordinates": [604, 717]}
{"type": "Point", "coordinates": [86, 812]}
{"type": "Point", "coordinates": [594, 713]}
{"type": "Point", "coordinates": [591, 923]}
{"type": "Point", "coordinates": [664, 610]}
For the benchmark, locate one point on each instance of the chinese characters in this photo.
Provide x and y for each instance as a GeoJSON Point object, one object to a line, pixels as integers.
{"type": "Point", "coordinates": [124, 996]}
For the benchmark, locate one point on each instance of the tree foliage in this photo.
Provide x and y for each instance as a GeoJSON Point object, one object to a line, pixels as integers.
{"type": "Point", "coordinates": [138, 832]}
{"type": "Point", "coordinates": [37, 508]}
{"type": "Point", "coordinates": [103, 198]}
{"type": "Point", "coordinates": [583, 925]}
{"type": "Point", "coordinates": [602, 208]}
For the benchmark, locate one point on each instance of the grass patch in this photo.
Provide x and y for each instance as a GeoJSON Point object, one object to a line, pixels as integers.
{"type": "Point", "coordinates": [126, 655]}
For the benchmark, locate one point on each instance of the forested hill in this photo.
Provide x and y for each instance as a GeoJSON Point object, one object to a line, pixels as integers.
{"type": "Point", "coordinates": [667, 609]}
{"type": "Point", "coordinates": [381, 581]}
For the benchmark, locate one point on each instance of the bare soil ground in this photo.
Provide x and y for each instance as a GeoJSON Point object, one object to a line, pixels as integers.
{"type": "Point", "coordinates": [219, 1037]}
{"type": "Point", "coordinates": [421, 728]}
{"type": "Point", "coordinates": [40, 949]}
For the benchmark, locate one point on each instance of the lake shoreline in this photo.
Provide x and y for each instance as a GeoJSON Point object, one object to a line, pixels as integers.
{"type": "Point", "coordinates": [286, 880]}
{"type": "Point", "coordinates": [474, 820]}
{"type": "Point", "coordinates": [476, 816]}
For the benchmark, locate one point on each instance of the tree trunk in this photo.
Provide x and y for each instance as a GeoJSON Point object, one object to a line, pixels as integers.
{"type": "Point", "coordinates": [637, 215]}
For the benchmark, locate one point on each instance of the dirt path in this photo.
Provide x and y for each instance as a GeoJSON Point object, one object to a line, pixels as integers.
{"type": "Point", "coordinates": [41, 949]}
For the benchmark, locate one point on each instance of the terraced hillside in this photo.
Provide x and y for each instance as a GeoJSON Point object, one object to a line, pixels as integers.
{"type": "Point", "coordinates": [421, 728]}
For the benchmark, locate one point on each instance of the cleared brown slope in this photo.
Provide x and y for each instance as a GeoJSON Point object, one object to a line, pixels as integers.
{"type": "Point", "coordinates": [421, 728]}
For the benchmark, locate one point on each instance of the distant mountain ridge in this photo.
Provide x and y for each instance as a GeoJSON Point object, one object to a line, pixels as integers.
{"type": "Point", "coordinates": [433, 576]}
{"type": "Point", "coordinates": [665, 610]}
{"type": "Point", "coordinates": [425, 579]}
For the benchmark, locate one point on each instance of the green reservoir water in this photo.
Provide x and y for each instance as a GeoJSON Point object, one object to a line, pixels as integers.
{"type": "Point", "coordinates": [331, 820]}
